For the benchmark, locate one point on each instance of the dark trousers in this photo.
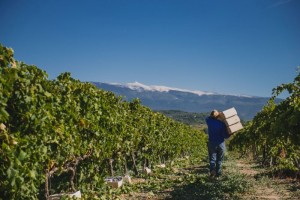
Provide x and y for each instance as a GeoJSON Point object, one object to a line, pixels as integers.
{"type": "Point", "coordinates": [216, 155]}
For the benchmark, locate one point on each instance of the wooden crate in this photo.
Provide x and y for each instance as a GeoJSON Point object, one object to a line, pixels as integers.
{"type": "Point", "coordinates": [114, 182]}
{"type": "Point", "coordinates": [229, 112]}
{"type": "Point", "coordinates": [231, 119]}
{"type": "Point", "coordinates": [235, 127]}
{"type": "Point", "coordinates": [127, 179]}
{"type": "Point", "coordinates": [77, 195]}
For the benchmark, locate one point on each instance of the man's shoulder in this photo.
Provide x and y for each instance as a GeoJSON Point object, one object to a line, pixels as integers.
{"type": "Point", "coordinates": [213, 120]}
{"type": "Point", "coordinates": [209, 119]}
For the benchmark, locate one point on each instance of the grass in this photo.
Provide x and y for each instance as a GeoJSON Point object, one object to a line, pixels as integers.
{"type": "Point", "coordinates": [188, 179]}
{"type": "Point", "coordinates": [203, 187]}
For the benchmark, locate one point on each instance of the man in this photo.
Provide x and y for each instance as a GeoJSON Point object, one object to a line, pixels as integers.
{"type": "Point", "coordinates": [217, 133]}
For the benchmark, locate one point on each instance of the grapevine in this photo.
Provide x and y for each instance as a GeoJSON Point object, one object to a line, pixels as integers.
{"type": "Point", "coordinates": [64, 135]}
{"type": "Point", "coordinates": [273, 135]}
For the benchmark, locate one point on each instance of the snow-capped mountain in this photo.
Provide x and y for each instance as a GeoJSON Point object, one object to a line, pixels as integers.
{"type": "Point", "coordinates": [154, 88]}
{"type": "Point", "coordinates": [168, 98]}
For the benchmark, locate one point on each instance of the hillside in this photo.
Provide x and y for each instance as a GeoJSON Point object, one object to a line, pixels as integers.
{"type": "Point", "coordinates": [190, 118]}
{"type": "Point", "coordinates": [165, 98]}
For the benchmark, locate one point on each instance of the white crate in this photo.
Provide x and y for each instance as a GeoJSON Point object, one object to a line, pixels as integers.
{"type": "Point", "coordinates": [59, 196]}
{"type": "Point", "coordinates": [229, 113]}
{"type": "Point", "coordinates": [114, 182]}
{"type": "Point", "coordinates": [232, 120]}
{"type": "Point", "coordinates": [127, 179]}
{"type": "Point", "coordinates": [235, 127]}
{"type": "Point", "coordinates": [147, 170]}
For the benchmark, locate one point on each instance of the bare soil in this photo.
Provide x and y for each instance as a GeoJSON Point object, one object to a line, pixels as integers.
{"type": "Point", "coordinates": [265, 187]}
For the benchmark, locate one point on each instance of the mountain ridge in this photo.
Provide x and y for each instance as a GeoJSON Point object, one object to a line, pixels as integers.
{"type": "Point", "coordinates": [168, 98]}
{"type": "Point", "coordinates": [140, 86]}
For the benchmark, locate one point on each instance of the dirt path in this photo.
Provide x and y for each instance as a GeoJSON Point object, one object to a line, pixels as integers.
{"type": "Point", "coordinates": [263, 186]}
{"type": "Point", "coordinates": [242, 179]}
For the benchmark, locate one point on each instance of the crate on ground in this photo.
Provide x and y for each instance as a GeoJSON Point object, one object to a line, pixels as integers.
{"type": "Point", "coordinates": [114, 182]}
{"type": "Point", "coordinates": [76, 195]}
{"type": "Point", "coordinates": [161, 166]}
{"type": "Point", "coordinates": [147, 171]}
{"type": "Point", "coordinates": [127, 179]}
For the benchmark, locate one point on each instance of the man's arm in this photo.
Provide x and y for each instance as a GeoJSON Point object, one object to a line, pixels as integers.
{"type": "Point", "coordinates": [225, 131]}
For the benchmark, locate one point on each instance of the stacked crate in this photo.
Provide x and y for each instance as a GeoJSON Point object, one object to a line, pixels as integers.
{"type": "Point", "coordinates": [232, 120]}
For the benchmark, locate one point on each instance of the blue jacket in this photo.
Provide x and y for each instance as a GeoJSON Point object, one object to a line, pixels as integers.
{"type": "Point", "coordinates": [217, 131]}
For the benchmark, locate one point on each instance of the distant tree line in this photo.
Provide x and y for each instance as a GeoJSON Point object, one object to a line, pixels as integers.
{"type": "Point", "coordinates": [190, 118]}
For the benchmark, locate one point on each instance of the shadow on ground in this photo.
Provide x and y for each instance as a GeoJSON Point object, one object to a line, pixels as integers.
{"type": "Point", "coordinates": [201, 186]}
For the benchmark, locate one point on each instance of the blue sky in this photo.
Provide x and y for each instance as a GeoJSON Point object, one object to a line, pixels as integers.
{"type": "Point", "coordinates": [232, 47]}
